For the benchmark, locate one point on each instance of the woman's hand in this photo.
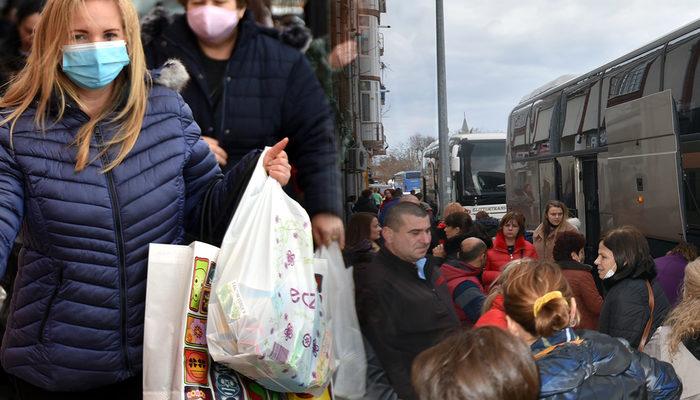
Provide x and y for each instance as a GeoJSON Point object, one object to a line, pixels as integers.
{"type": "Point", "coordinates": [276, 162]}
{"type": "Point", "coordinates": [327, 228]}
{"type": "Point", "coordinates": [219, 153]}
{"type": "Point", "coordinates": [439, 251]}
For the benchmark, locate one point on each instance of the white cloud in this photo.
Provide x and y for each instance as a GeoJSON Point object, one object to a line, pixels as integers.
{"type": "Point", "coordinates": [498, 51]}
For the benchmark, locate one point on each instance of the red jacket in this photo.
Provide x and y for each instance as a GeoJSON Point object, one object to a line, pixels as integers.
{"type": "Point", "coordinates": [498, 256]}
{"type": "Point", "coordinates": [495, 316]}
{"type": "Point", "coordinates": [455, 275]}
{"type": "Point", "coordinates": [588, 300]}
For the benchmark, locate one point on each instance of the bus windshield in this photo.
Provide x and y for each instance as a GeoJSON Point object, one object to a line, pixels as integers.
{"type": "Point", "coordinates": [413, 175]}
{"type": "Point", "coordinates": [486, 164]}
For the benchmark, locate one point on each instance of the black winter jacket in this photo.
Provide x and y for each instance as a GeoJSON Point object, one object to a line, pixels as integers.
{"type": "Point", "coordinates": [625, 310]}
{"type": "Point", "coordinates": [591, 365]}
{"type": "Point", "coordinates": [269, 92]}
{"type": "Point", "coordinates": [386, 289]}
{"type": "Point", "coordinates": [365, 204]}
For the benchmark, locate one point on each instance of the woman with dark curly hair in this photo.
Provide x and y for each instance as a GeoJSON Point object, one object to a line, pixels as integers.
{"type": "Point", "coordinates": [634, 296]}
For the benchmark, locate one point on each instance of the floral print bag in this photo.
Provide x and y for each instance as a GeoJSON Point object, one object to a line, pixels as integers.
{"type": "Point", "coordinates": [266, 318]}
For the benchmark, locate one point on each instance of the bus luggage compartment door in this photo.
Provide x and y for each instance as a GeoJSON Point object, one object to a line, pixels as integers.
{"type": "Point", "coordinates": [643, 167]}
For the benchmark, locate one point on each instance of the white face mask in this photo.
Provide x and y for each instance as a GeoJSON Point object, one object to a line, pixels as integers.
{"type": "Point", "coordinates": [609, 274]}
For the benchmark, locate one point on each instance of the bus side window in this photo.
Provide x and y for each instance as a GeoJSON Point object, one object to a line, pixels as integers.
{"type": "Point", "coordinates": [682, 76]}
{"type": "Point", "coordinates": [566, 169]}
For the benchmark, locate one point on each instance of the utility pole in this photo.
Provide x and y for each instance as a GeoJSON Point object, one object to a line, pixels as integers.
{"type": "Point", "coordinates": [445, 194]}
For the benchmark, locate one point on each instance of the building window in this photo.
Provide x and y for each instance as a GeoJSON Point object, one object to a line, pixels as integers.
{"type": "Point", "coordinates": [364, 20]}
{"type": "Point", "coordinates": [364, 42]}
{"type": "Point", "coordinates": [366, 114]}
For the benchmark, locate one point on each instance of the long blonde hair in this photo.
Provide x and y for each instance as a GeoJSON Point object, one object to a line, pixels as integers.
{"type": "Point", "coordinates": [683, 320]}
{"type": "Point", "coordinates": [42, 80]}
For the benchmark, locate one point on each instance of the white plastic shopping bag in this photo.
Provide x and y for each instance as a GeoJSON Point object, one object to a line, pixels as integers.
{"type": "Point", "coordinates": [339, 296]}
{"type": "Point", "coordinates": [176, 363]}
{"type": "Point", "coordinates": [266, 319]}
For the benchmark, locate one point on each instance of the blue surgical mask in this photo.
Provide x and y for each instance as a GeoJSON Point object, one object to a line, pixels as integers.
{"type": "Point", "coordinates": [94, 65]}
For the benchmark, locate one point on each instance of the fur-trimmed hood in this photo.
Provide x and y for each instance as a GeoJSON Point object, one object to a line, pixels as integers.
{"type": "Point", "coordinates": [172, 75]}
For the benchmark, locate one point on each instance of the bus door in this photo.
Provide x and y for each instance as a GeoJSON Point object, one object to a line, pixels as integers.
{"type": "Point", "coordinates": [548, 183]}
{"type": "Point", "coordinates": [643, 170]}
{"type": "Point", "coordinates": [588, 196]}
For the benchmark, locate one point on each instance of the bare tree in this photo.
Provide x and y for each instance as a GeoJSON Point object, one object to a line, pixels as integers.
{"type": "Point", "coordinates": [384, 167]}
{"type": "Point", "coordinates": [416, 147]}
{"type": "Point", "coordinates": [407, 157]}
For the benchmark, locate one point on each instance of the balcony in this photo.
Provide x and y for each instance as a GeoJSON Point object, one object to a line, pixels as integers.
{"type": "Point", "coordinates": [370, 7]}
{"type": "Point", "coordinates": [373, 137]}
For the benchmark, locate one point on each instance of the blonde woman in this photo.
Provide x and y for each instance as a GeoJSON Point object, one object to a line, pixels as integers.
{"type": "Point", "coordinates": [553, 222]}
{"type": "Point", "coordinates": [678, 341]}
{"type": "Point", "coordinates": [96, 162]}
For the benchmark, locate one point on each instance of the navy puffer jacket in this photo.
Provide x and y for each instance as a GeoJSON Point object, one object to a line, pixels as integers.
{"type": "Point", "coordinates": [269, 92]}
{"type": "Point", "coordinates": [590, 365]}
{"type": "Point", "coordinates": [77, 314]}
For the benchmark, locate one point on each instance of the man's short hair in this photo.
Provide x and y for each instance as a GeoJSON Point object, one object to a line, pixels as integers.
{"type": "Point", "coordinates": [409, 198]}
{"type": "Point", "coordinates": [394, 218]}
{"type": "Point", "coordinates": [476, 250]}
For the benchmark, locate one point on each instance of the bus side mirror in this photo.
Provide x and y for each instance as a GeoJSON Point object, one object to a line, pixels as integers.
{"type": "Point", "coordinates": [454, 164]}
{"type": "Point", "coordinates": [454, 159]}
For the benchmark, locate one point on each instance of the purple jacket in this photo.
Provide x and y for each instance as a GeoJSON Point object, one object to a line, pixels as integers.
{"type": "Point", "coordinates": [670, 271]}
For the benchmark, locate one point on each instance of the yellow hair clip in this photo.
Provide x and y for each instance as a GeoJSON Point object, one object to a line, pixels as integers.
{"type": "Point", "coordinates": [539, 303]}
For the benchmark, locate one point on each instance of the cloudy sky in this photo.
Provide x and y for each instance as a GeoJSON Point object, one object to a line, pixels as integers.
{"type": "Point", "coordinates": [500, 50]}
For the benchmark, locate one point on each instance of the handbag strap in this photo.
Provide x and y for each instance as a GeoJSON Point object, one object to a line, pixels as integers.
{"type": "Point", "coordinates": [647, 328]}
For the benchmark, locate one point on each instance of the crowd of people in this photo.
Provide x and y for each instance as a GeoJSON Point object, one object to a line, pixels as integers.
{"type": "Point", "coordinates": [501, 317]}
{"type": "Point", "coordinates": [100, 157]}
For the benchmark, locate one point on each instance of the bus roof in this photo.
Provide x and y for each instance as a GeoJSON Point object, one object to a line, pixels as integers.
{"type": "Point", "coordinates": [476, 136]}
{"type": "Point", "coordinates": [684, 30]}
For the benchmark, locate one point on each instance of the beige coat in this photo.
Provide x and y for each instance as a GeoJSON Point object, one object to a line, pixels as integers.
{"type": "Point", "coordinates": [544, 246]}
{"type": "Point", "coordinates": [686, 365]}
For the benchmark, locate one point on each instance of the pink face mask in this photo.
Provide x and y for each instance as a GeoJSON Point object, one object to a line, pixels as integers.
{"type": "Point", "coordinates": [212, 24]}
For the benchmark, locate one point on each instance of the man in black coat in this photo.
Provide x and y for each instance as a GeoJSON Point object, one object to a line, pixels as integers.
{"type": "Point", "coordinates": [402, 312]}
{"type": "Point", "coordinates": [247, 91]}
{"type": "Point", "coordinates": [365, 203]}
